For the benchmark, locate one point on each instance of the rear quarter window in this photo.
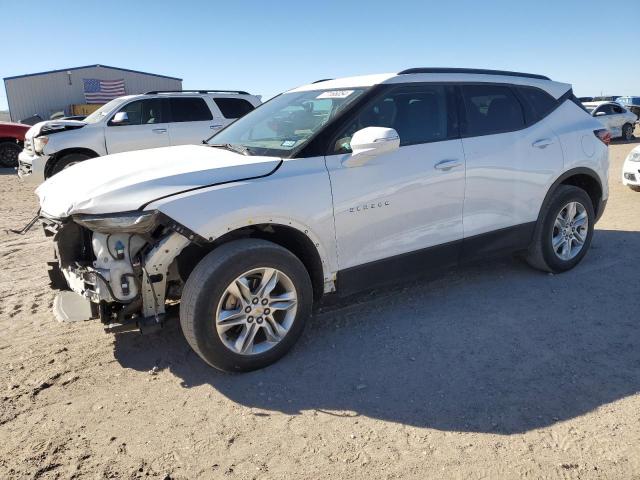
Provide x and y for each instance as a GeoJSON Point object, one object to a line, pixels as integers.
{"type": "Point", "coordinates": [233, 107]}
{"type": "Point", "coordinates": [536, 102]}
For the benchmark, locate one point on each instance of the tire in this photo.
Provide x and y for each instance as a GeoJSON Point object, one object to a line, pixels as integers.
{"type": "Point", "coordinates": [207, 290]}
{"type": "Point", "coordinates": [68, 160]}
{"type": "Point", "coordinates": [9, 152]}
{"type": "Point", "coordinates": [627, 131]}
{"type": "Point", "coordinates": [541, 254]}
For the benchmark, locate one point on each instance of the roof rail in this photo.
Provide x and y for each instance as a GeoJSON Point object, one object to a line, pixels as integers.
{"type": "Point", "coordinates": [239, 92]}
{"type": "Point", "coordinates": [478, 71]}
{"type": "Point", "coordinates": [322, 80]}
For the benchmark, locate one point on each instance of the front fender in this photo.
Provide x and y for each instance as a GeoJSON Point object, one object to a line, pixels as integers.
{"type": "Point", "coordinates": [89, 137]}
{"type": "Point", "coordinates": [297, 195]}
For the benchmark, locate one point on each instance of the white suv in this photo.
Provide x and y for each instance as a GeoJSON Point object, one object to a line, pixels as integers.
{"type": "Point", "coordinates": [134, 122]}
{"type": "Point", "coordinates": [336, 186]}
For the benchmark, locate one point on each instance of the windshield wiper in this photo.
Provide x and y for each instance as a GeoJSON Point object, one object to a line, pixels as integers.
{"type": "Point", "coordinates": [231, 147]}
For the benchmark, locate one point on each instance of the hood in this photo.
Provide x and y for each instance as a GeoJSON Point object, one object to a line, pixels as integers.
{"type": "Point", "coordinates": [12, 129]}
{"type": "Point", "coordinates": [127, 181]}
{"type": "Point", "coordinates": [53, 126]}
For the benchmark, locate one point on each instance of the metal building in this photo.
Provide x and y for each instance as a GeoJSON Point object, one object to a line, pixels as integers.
{"type": "Point", "coordinates": [46, 93]}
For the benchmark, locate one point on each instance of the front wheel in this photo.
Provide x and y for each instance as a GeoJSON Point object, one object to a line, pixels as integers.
{"type": "Point", "coordinates": [245, 305]}
{"type": "Point", "coordinates": [563, 236]}
{"type": "Point", "coordinates": [627, 131]}
{"type": "Point", "coordinates": [68, 161]}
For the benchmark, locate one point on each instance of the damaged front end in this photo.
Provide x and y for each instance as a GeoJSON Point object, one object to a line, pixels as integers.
{"type": "Point", "coordinates": [122, 263]}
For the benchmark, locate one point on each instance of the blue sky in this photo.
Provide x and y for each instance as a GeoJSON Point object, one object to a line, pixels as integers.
{"type": "Point", "coordinates": [268, 47]}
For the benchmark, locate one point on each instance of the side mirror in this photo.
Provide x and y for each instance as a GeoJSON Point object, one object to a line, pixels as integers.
{"type": "Point", "coordinates": [371, 142]}
{"type": "Point", "coordinates": [600, 114]}
{"type": "Point", "coordinates": [120, 118]}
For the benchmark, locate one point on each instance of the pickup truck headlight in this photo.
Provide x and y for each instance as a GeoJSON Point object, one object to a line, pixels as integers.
{"type": "Point", "coordinates": [634, 157]}
{"type": "Point", "coordinates": [39, 143]}
{"type": "Point", "coordinates": [125, 222]}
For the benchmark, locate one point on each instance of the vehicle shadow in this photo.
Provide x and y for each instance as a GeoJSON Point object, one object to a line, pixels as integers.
{"type": "Point", "coordinates": [8, 171]}
{"type": "Point", "coordinates": [493, 347]}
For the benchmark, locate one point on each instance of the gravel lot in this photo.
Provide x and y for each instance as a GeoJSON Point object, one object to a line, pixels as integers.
{"type": "Point", "coordinates": [492, 371]}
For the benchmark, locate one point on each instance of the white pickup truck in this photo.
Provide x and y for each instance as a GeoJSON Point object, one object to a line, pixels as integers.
{"type": "Point", "coordinates": [133, 122]}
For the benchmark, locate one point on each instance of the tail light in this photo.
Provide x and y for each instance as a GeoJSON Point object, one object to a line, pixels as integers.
{"type": "Point", "coordinates": [604, 135]}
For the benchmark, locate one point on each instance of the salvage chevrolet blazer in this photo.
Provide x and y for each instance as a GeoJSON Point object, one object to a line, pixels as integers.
{"type": "Point", "coordinates": [336, 186]}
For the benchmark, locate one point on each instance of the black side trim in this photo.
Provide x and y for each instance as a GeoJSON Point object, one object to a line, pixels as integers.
{"type": "Point", "coordinates": [434, 260]}
{"type": "Point", "coordinates": [478, 71]}
{"type": "Point", "coordinates": [143, 206]}
{"type": "Point", "coordinates": [400, 267]}
{"type": "Point", "coordinates": [504, 241]}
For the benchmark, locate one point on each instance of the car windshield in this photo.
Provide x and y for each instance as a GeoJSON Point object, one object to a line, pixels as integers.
{"type": "Point", "coordinates": [286, 122]}
{"type": "Point", "coordinates": [103, 111]}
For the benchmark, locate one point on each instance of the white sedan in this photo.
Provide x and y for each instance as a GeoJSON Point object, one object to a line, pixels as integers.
{"type": "Point", "coordinates": [631, 170]}
{"type": "Point", "coordinates": [618, 120]}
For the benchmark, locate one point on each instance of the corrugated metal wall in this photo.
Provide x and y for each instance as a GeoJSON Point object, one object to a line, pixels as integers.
{"type": "Point", "coordinates": [53, 92]}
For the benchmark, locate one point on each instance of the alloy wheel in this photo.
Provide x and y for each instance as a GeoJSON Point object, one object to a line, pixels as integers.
{"type": "Point", "coordinates": [256, 311]}
{"type": "Point", "coordinates": [570, 231]}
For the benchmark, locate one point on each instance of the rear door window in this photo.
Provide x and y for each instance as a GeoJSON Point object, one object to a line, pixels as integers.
{"type": "Point", "coordinates": [233, 107]}
{"type": "Point", "coordinates": [189, 109]}
{"type": "Point", "coordinates": [491, 109]}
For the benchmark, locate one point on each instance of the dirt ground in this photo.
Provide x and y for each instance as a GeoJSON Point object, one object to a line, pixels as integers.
{"type": "Point", "coordinates": [492, 371]}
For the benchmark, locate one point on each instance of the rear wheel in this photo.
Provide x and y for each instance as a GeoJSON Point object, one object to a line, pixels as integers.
{"type": "Point", "coordinates": [245, 305]}
{"type": "Point", "coordinates": [67, 161]}
{"type": "Point", "coordinates": [564, 233]}
{"type": "Point", "coordinates": [9, 152]}
{"type": "Point", "coordinates": [627, 131]}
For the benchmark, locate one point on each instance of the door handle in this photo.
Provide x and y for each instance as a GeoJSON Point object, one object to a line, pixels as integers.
{"type": "Point", "coordinates": [446, 165]}
{"type": "Point", "coordinates": [159, 130]}
{"type": "Point", "coordinates": [213, 127]}
{"type": "Point", "coordinates": [542, 143]}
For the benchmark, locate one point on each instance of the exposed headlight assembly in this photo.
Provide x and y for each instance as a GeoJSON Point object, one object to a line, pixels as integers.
{"type": "Point", "coordinates": [634, 157]}
{"type": "Point", "coordinates": [125, 222]}
{"type": "Point", "coordinates": [39, 143]}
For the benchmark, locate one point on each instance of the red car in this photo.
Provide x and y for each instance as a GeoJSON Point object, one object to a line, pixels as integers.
{"type": "Point", "coordinates": [11, 140]}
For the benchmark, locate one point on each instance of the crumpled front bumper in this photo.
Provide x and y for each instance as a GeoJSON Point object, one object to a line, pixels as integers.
{"type": "Point", "coordinates": [88, 282]}
{"type": "Point", "coordinates": [31, 167]}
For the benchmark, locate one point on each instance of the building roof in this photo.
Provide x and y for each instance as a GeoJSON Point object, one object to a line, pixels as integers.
{"type": "Point", "coordinates": [91, 66]}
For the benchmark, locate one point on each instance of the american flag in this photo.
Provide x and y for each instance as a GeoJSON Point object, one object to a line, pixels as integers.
{"type": "Point", "coordinates": [101, 91]}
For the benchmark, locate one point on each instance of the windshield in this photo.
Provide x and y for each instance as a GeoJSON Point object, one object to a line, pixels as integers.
{"type": "Point", "coordinates": [285, 123]}
{"type": "Point", "coordinates": [103, 111]}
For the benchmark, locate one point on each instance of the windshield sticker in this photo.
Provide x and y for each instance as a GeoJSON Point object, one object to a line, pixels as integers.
{"type": "Point", "coordinates": [335, 94]}
{"type": "Point", "coordinates": [288, 143]}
